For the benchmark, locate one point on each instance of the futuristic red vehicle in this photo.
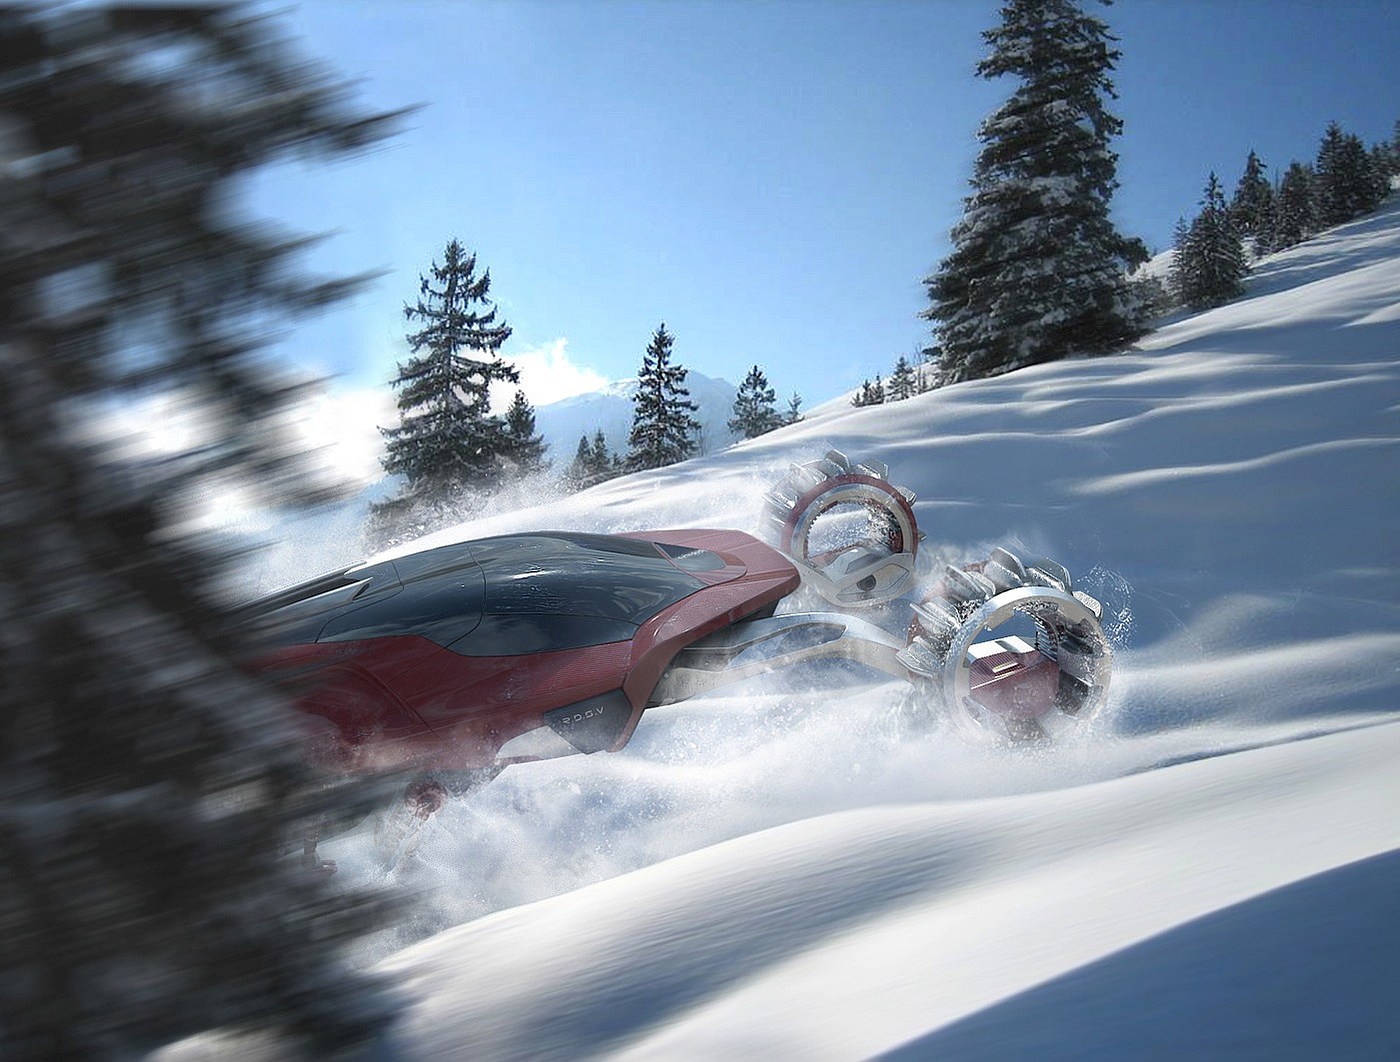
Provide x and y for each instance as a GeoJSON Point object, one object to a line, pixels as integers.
{"type": "Point", "coordinates": [456, 661]}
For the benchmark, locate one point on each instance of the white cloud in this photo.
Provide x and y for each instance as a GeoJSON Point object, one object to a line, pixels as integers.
{"type": "Point", "coordinates": [547, 374]}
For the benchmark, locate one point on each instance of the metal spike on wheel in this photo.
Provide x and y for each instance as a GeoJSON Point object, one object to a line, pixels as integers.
{"type": "Point", "coordinates": [874, 562]}
{"type": "Point", "coordinates": [1002, 684]}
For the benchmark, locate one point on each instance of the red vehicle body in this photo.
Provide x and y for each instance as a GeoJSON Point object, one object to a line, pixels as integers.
{"type": "Point", "coordinates": [507, 649]}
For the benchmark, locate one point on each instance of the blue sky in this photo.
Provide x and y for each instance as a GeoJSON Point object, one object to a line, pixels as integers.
{"type": "Point", "coordinates": [770, 178]}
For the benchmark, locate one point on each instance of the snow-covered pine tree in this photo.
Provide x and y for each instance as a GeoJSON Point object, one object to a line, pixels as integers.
{"type": "Point", "coordinates": [524, 448]}
{"type": "Point", "coordinates": [447, 440]}
{"type": "Point", "coordinates": [1346, 187]}
{"type": "Point", "coordinates": [1383, 167]}
{"type": "Point", "coordinates": [663, 430]}
{"type": "Point", "coordinates": [1153, 297]}
{"type": "Point", "coordinates": [577, 474]}
{"type": "Point", "coordinates": [1252, 208]}
{"type": "Point", "coordinates": [794, 409]}
{"type": "Point", "coordinates": [755, 409]}
{"type": "Point", "coordinates": [1181, 233]}
{"type": "Point", "coordinates": [1209, 268]}
{"type": "Point", "coordinates": [902, 382]}
{"type": "Point", "coordinates": [1038, 271]}
{"type": "Point", "coordinates": [1296, 217]}
{"type": "Point", "coordinates": [601, 462]}
{"type": "Point", "coordinates": [593, 462]}
{"type": "Point", "coordinates": [869, 394]}
{"type": "Point", "coordinates": [147, 778]}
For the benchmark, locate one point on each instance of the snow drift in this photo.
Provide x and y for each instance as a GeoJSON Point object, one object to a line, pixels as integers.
{"type": "Point", "coordinates": [1210, 869]}
{"type": "Point", "coordinates": [807, 882]}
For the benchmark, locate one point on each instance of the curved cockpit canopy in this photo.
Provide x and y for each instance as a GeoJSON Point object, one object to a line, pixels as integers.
{"type": "Point", "coordinates": [502, 596]}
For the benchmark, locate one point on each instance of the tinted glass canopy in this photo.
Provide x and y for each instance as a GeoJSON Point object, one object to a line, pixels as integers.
{"type": "Point", "coordinates": [530, 593]}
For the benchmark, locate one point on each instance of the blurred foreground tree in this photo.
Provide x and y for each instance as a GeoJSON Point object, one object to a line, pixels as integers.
{"type": "Point", "coordinates": [147, 779]}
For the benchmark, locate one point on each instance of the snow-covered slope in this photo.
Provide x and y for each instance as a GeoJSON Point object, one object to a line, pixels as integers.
{"type": "Point", "coordinates": [1229, 489]}
{"type": "Point", "coordinates": [1126, 919]}
{"type": "Point", "coordinates": [1211, 871]}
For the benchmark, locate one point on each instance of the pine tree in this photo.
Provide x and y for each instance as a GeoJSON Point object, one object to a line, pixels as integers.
{"type": "Point", "coordinates": [869, 394]}
{"type": "Point", "coordinates": [578, 471]}
{"type": "Point", "coordinates": [755, 411]}
{"type": "Point", "coordinates": [1297, 216]}
{"type": "Point", "coordinates": [592, 463]}
{"type": "Point", "coordinates": [1152, 296]}
{"type": "Point", "coordinates": [447, 440]}
{"type": "Point", "coordinates": [1252, 209]}
{"type": "Point", "coordinates": [524, 448]}
{"type": "Point", "coordinates": [663, 431]}
{"type": "Point", "coordinates": [600, 461]}
{"type": "Point", "coordinates": [1346, 186]}
{"type": "Point", "coordinates": [902, 383]}
{"type": "Point", "coordinates": [1038, 271]}
{"type": "Point", "coordinates": [147, 777]}
{"type": "Point", "coordinates": [1208, 267]}
{"type": "Point", "coordinates": [1382, 169]}
{"type": "Point", "coordinates": [794, 409]}
{"type": "Point", "coordinates": [1181, 234]}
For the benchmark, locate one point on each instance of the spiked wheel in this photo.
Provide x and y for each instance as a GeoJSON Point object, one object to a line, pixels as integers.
{"type": "Point", "coordinates": [991, 680]}
{"type": "Point", "coordinates": [853, 563]}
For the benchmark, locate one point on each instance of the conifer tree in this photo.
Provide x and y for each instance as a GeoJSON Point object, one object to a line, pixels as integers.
{"type": "Point", "coordinates": [794, 409]}
{"type": "Point", "coordinates": [1296, 217]}
{"type": "Point", "coordinates": [600, 461]}
{"type": "Point", "coordinates": [1209, 266]}
{"type": "Point", "coordinates": [578, 472]}
{"type": "Point", "coordinates": [1346, 186]}
{"type": "Point", "coordinates": [869, 394]}
{"type": "Point", "coordinates": [755, 411]}
{"type": "Point", "coordinates": [447, 440]}
{"type": "Point", "coordinates": [593, 462]}
{"type": "Point", "coordinates": [1382, 170]}
{"type": "Point", "coordinates": [1181, 234]}
{"type": "Point", "coordinates": [1038, 271]}
{"type": "Point", "coordinates": [147, 777]}
{"type": "Point", "coordinates": [524, 447]}
{"type": "Point", "coordinates": [902, 382]}
{"type": "Point", "coordinates": [1252, 209]}
{"type": "Point", "coordinates": [663, 430]}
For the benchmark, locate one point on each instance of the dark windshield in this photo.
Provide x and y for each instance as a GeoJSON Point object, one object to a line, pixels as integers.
{"type": "Point", "coordinates": [524, 594]}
